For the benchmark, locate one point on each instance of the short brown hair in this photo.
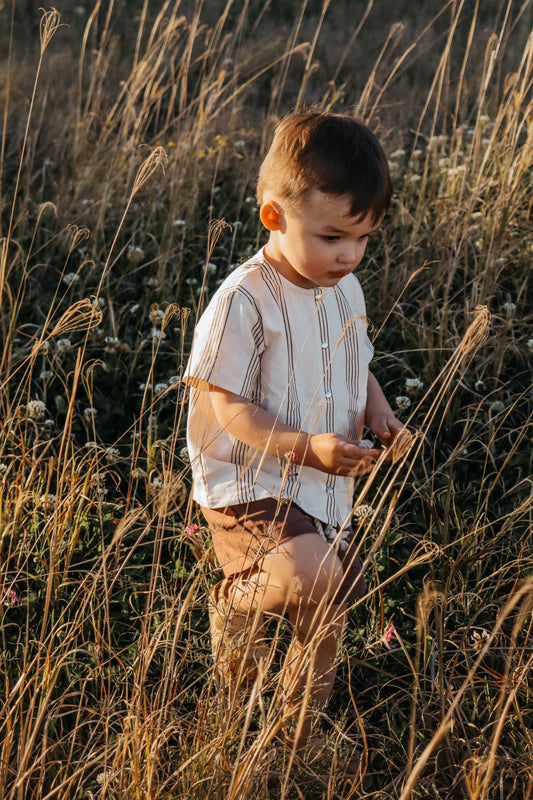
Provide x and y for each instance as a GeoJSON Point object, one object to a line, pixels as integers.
{"type": "Point", "coordinates": [329, 152]}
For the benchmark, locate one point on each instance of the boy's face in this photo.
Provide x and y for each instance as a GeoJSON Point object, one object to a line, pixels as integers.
{"type": "Point", "coordinates": [318, 242]}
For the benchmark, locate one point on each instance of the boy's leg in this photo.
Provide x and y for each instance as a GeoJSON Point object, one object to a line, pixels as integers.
{"type": "Point", "coordinates": [238, 639]}
{"type": "Point", "coordinates": [300, 577]}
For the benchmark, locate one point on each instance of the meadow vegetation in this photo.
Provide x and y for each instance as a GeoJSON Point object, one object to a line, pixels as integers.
{"type": "Point", "coordinates": [131, 137]}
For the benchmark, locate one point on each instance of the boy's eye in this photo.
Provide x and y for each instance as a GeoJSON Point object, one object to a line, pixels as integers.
{"type": "Point", "coordinates": [330, 238]}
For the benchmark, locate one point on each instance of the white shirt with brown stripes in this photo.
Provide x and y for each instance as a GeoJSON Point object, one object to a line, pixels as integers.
{"type": "Point", "coordinates": [303, 356]}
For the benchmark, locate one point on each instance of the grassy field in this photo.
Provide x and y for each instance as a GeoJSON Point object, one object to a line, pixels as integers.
{"type": "Point", "coordinates": [131, 138]}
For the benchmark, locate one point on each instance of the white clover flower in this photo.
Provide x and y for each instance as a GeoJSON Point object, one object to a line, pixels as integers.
{"type": "Point", "coordinates": [71, 278]}
{"type": "Point", "coordinates": [191, 281]}
{"type": "Point", "coordinates": [444, 162]}
{"type": "Point", "coordinates": [102, 777]}
{"type": "Point", "coordinates": [158, 335]}
{"type": "Point", "coordinates": [476, 215]}
{"type": "Point", "coordinates": [135, 254]}
{"type": "Point", "coordinates": [414, 178]}
{"type": "Point", "coordinates": [398, 153]}
{"type": "Point", "coordinates": [365, 444]}
{"type": "Point", "coordinates": [239, 143]}
{"type": "Point", "coordinates": [416, 153]}
{"type": "Point", "coordinates": [478, 638]}
{"type": "Point", "coordinates": [216, 189]}
{"type": "Point", "coordinates": [497, 407]}
{"type": "Point", "coordinates": [509, 308]}
{"type": "Point", "coordinates": [138, 473]}
{"type": "Point", "coordinates": [98, 483]}
{"type": "Point", "coordinates": [436, 140]}
{"type": "Point", "coordinates": [157, 316]}
{"type": "Point", "coordinates": [3, 468]}
{"type": "Point", "coordinates": [112, 344]}
{"type": "Point", "coordinates": [250, 200]}
{"type": "Point", "coordinates": [363, 512]}
{"type": "Point", "coordinates": [414, 384]}
{"type": "Point", "coordinates": [157, 483]}
{"type": "Point", "coordinates": [173, 380]}
{"type": "Point", "coordinates": [36, 409]}
{"type": "Point", "coordinates": [184, 455]}
{"type": "Point", "coordinates": [44, 347]}
{"type": "Point", "coordinates": [402, 402]}
{"type": "Point", "coordinates": [91, 445]}
{"type": "Point", "coordinates": [210, 268]}
{"type": "Point", "coordinates": [112, 454]}
{"type": "Point", "coordinates": [45, 374]}
{"type": "Point", "coordinates": [393, 166]}
{"type": "Point", "coordinates": [142, 387]}
{"type": "Point", "coordinates": [530, 345]}
{"type": "Point", "coordinates": [237, 224]}
{"type": "Point", "coordinates": [47, 501]}
{"type": "Point", "coordinates": [179, 223]}
{"type": "Point", "coordinates": [479, 386]}
{"type": "Point", "coordinates": [90, 412]}
{"type": "Point", "coordinates": [458, 170]}
{"type": "Point", "coordinates": [63, 345]}
{"type": "Point", "coordinates": [160, 387]}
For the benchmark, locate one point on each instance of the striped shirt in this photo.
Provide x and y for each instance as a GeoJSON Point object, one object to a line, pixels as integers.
{"type": "Point", "coordinates": [302, 355]}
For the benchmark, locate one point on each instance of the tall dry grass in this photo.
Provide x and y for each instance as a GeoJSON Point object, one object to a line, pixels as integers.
{"type": "Point", "coordinates": [111, 197]}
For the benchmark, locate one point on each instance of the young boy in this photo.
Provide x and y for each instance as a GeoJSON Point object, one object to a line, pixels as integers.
{"type": "Point", "coordinates": [280, 391]}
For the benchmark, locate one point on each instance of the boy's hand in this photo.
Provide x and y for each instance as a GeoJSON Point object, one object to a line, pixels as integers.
{"type": "Point", "coordinates": [385, 426]}
{"type": "Point", "coordinates": [392, 433]}
{"type": "Point", "coordinates": [332, 453]}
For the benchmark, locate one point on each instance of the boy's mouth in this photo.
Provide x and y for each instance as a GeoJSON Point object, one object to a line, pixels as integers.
{"type": "Point", "coordinates": [339, 273]}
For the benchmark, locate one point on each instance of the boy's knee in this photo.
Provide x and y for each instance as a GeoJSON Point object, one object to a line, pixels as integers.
{"type": "Point", "coordinates": [315, 586]}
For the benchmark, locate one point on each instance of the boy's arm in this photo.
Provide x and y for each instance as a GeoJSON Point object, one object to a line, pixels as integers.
{"type": "Point", "coordinates": [327, 452]}
{"type": "Point", "coordinates": [379, 416]}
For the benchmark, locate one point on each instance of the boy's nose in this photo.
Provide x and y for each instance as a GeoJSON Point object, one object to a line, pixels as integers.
{"type": "Point", "coordinates": [350, 255]}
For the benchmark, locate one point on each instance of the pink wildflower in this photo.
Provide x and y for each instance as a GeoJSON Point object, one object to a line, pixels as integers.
{"type": "Point", "coordinates": [192, 529]}
{"type": "Point", "coordinates": [9, 598]}
{"type": "Point", "coordinates": [389, 634]}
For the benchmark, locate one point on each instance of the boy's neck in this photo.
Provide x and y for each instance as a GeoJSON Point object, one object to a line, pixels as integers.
{"type": "Point", "coordinates": [274, 255]}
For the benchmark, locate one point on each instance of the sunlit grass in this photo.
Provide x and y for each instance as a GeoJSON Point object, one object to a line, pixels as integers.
{"type": "Point", "coordinates": [116, 231]}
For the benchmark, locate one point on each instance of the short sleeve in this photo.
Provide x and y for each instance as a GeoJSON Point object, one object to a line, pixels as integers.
{"type": "Point", "coordinates": [227, 346]}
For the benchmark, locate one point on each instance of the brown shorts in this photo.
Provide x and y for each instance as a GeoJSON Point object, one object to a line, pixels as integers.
{"type": "Point", "coordinates": [242, 534]}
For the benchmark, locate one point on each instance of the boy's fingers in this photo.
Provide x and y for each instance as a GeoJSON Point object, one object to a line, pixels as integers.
{"type": "Point", "coordinates": [361, 468]}
{"type": "Point", "coordinates": [361, 453]}
{"type": "Point", "coordinates": [400, 444]}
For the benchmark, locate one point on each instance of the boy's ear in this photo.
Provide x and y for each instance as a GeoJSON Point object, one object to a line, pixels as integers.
{"type": "Point", "coordinates": [270, 214]}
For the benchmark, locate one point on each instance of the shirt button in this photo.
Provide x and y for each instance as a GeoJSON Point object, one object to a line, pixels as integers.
{"type": "Point", "coordinates": [324, 345]}
{"type": "Point", "coordinates": [318, 296]}
{"type": "Point", "coordinates": [329, 489]}
{"type": "Point", "coordinates": [328, 394]}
